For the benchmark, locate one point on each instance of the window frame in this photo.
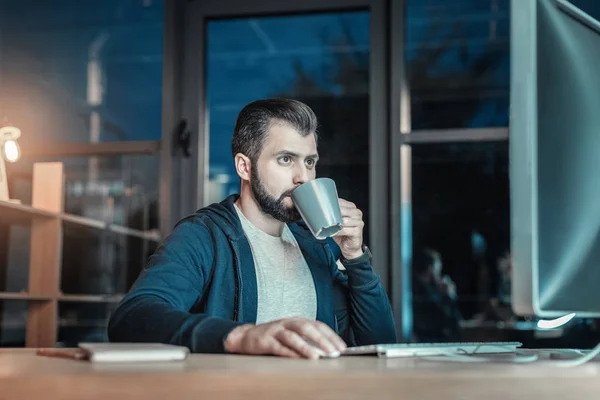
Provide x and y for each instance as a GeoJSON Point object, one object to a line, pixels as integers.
{"type": "Point", "coordinates": [194, 176]}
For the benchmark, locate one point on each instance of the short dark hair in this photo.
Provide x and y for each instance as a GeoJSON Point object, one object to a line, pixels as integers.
{"type": "Point", "coordinates": [254, 120]}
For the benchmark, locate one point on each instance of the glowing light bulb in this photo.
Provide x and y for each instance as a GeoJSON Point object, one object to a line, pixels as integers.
{"type": "Point", "coordinates": [11, 151]}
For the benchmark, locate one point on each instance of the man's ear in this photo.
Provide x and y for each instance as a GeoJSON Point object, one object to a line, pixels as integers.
{"type": "Point", "coordinates": [243, 166]}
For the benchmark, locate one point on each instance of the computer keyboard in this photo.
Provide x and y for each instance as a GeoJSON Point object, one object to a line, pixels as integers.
{"type": "Point", "coordinates": [433, 349]}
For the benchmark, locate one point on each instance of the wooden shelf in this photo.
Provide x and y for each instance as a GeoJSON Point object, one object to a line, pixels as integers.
{"type": "Point", "coordinates": [81, 323]}
{"type": "Point", "coordinates": [72, 298]}
{"type": "Point", "coordinates": [90, 298]}
{"type": "Point", "coordinates": [25, 296]}
{"type": "Point", "coordinates": [153, 236]}
{"type": "Point", "coordinates": [46, 219]}
{"type": "Point", "coordinates": [13, 324]}
{"type": "Point", "coordinates": [20, 214]}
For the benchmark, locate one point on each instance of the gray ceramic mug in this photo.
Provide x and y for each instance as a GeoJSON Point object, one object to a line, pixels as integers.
{"type": "Point", "coordinates": [318, 204]}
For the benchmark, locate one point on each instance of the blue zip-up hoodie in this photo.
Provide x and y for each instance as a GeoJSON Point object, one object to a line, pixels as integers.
{"type": "Point", "coordinates": [201, 283]}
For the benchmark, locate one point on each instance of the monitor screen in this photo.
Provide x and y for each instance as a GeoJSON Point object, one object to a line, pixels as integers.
{"type": "Point", "coordinates": [555, 159]}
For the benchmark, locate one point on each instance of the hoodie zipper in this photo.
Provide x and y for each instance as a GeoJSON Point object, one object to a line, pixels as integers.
{"type": "Point", "coordinates": [236, 278]}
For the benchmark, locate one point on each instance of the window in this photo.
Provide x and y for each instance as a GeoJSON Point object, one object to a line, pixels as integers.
{"type": "Point", "coordinates": [461, 236]}
{"type": "Point", "coordinates": [72, 75]}
{"type": "Point", "coordinates": [457, 57]}
{"type": "Point", "coordinates": [320, 59]}
{"type": "Point", "coordinates": [13, 319]}
{"type": "Point", "coordinates": [88, 71]}
{"type": "Point", "coordinates": [82, 322]}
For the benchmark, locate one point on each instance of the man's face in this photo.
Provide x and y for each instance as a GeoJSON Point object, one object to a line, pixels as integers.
{"type": "Point", "coordinates": [287, 160]}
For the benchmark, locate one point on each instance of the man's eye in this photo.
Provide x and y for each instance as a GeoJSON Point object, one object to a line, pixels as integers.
{"type": "Point", "coordinates": [310, 162]}
{"type": "Point", "coordinates": [285, 159]}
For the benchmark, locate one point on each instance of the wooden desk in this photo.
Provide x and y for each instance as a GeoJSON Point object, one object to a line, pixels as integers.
{"type": "Point", "coordinates": [23, 375]}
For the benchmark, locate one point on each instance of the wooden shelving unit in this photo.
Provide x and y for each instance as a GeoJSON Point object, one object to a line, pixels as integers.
{"type": "Point", "coordinates": [46, 218]}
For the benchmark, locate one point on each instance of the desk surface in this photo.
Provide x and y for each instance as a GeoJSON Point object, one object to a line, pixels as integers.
{"type": "Point", "coordinates": [25, 375]}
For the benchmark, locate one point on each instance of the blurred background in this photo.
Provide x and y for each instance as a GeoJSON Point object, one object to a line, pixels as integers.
{"type": "Point", "coordinates": [138, 99]}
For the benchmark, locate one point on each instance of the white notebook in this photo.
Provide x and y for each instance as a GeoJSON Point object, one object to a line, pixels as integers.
{"type": "Point", "coordinates": [133, 352]}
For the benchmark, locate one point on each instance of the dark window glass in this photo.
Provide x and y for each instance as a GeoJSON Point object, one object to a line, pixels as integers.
{"type": "Point", "coordinates": [13, 320]}
{"type": "Point", "coordinates": [320, 59]}
{"type": "Point", "coordinates": [461, 236]}
{"type": "Point", "coordinates": [81, 71]}
{"type": "Point", "coordinates": [82, 322]}
{"type": "Point", "coordinates": [457, 55]}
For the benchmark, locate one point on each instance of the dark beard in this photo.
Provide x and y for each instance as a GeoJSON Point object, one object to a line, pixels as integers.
{"type": "Point", "coordinates": [269, 204]}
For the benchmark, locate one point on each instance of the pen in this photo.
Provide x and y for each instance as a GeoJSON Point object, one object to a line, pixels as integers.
{"type": "Point", "coordinates": [74, 354]}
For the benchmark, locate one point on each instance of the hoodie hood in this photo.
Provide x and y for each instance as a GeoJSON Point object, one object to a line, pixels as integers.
{"type": "Point", "coordinates": [223, 215]}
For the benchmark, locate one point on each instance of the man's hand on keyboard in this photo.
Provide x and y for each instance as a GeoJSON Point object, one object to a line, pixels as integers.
{"type": "Point", "coordinates": [289, 337]}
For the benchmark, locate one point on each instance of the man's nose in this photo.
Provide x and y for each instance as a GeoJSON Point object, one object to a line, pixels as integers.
{"type": "Point", "coordinates": [301, 175]}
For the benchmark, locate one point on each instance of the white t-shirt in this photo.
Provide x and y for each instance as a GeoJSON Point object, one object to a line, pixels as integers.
{"type": "Point", "coordinates": [285, 284]}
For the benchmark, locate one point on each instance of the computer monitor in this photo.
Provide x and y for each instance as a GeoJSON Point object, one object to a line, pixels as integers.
{"type": "Point", "coordinates": [555, 159]}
